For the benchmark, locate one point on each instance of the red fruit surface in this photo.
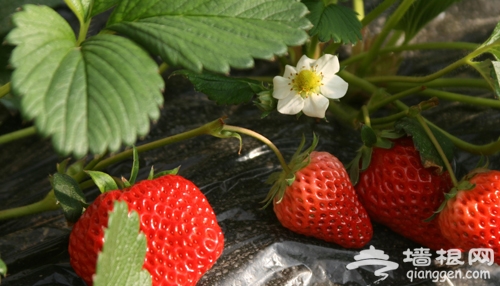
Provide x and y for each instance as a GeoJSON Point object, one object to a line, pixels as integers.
{"type": "Point", "coordinates": [400, 193]}
{"type": "Point", "coordinates": [472, 218]}
{"type": "Point", "coordinates": [183, 237]}
{"type": "Point", "coordinates": [322, 203]}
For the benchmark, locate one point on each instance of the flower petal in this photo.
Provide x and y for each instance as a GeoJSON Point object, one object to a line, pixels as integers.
{"type": "Point", "coordinates": [327, 64]}
{"type": "Point", "coordinates": [305, 63]}
{"type": "Point", "coordinates": [315, 106]}
{"type": "Point", "coordinates": [290, 72]}
{"type": "Point", "coordinates": [282, 87]}
{"type": "Point", "coordinates": [291, 104]}
{"type": "Point", "coordinates": [334, 87]}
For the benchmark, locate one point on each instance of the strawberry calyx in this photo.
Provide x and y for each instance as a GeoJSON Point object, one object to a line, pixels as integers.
{"type": "Point", "coordinates": [282, 179]}
{"type": "Point", "coordinates": [370, 138]}
{"type": "Point", "coordinates": [69, 194]}
{"type": "Point", "coordinates": [463, 185]}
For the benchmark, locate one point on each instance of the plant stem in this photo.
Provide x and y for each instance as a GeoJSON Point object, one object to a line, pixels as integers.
{"type": "Point", "coordinates": [359, 7]}
{"type": "Point", "coordinates": [366, 116]}
{"type": "Point", "coordinates": [264, 140]}
{"type": "Point", "coordinates": [394, 97]}
{"type": "Point", "coordinates": [419, 46]}
{"type": "Point", "coordinates": [438, 148]}
{"type": "Point", "coordinates": [82, 34]}
{"type": "Point", "coordinates": [207, 129]}
{"type": "Point", "coordinates": [480, 101]}
{"type": "Point", "coordinates": [4, 89]}
{"type": "Point", "coordinates": [379, 41]}
{"type": "Point", "coordinates": [442, 82]}
{"type": "Point", "coordinates": [486, 149]}
{"type": "Point", "coordinates": [423, 79]}
{"type": "Point", "coordinates": [381, 8]}
{"type": "Point", "coordinates": [49, 203]}
{"type": "Point", "coordinates": [463, 61]}
{"type": "Point", "coordinates": [19, 134]}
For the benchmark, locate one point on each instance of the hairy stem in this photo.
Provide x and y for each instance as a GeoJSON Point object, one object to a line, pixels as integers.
{"type": "Point", "coordinates": [4, 89]}
{"type": "Point", "coordinates": [49, 203]}
{"type": "Point", "coordinates": [418, 46]}
{"type": "Point", "coordinates": [263, 139]}
{"type": "Point", "coordinates": [379, 41]}
{"type": "Point", "coordinates": [19, 134]}
{"type": "Point", "coordinates": [375, 13]}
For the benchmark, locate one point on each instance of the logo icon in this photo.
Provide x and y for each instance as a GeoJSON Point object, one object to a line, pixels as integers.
{"type": "Point", "coordinates": [374, 256]}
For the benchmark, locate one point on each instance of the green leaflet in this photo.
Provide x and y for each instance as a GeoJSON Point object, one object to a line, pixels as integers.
{"type": "Point", "coordinates": [123, 252]}
{"type": "Point", "coordinates": [333, 22]}
{"type": "Point", "coordinates": [214, 35]}
{"type": "Point", "coordinates": [81, 8]}
{"type": "Point", "coordinates": [69, 195]}
{"type": "Point", "coordinates": [223, 89]}
{"type": "Point", "coordinates": [8, 7]}
{"type": "Point", "coordinates": [94, 97]}
{"type": "Point", "coordinates": [101, 6]}
{"type": "Point", "coordinates": [428, 153]}
{"type": "Point", "coordinates": [495, 75]}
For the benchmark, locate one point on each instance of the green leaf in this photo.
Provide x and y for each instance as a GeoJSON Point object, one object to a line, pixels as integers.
{"type": "Point", "coordinates": [333, 22]}
{"type": "Point", "coordinates": [428, 153]}
{"type": "Point", "coordinates": [493, 38]}
{"type": "Point", "coordinates": [421, 13]}
{"type": "Point", "coordinates": [368, 136]}
{"type": "Point", "coordinates": [103, 181]}
{"type": "Point", "coordinates": [495, 75]}
{"type": "Point", "coordinates": [223, 89]}
{"type": "Point", "coordinates": [102, 6]}
{"type": "Point", "coordinates": [488, 69]}
{"type": "Point", "coordinates": [69, 195]}
{"type": "Point", "coordinates": [10, 6]}
{"type": "Point", "coordinates": [95, 97]}
{"type": "Point", "coordinates": [3, 269]}
{"type": "Point", "coordinates": [123, 252]}
{"type": "Point", "coordinates": [167, 172]}
{"type": "Point", "coordinates": [494, 42]}
{"type": "Point", "coordinates": [81, 8]}
{"type": "Point", "coordinates": [210, 34]}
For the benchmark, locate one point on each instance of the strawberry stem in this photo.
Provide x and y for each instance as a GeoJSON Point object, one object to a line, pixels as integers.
{"type": "Point", "coordinates": [19, 134]}
{"type": "Point", "coordinates": [263, 139]}
{"type": "Point", "coordinates": [4, 89]}
{"type": "Point", "coordinates": [49, 203]}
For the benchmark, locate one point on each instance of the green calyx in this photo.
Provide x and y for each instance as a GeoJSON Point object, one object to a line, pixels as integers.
{"type": "Point", "coordinates": [281, 180]}
{"type": "Point", "coordinates": [463, 185]}
{"type": "Point", "coordinates": [370, 139]}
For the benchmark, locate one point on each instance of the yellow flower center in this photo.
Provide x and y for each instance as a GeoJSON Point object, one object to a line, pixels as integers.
{"type": "Point", "coordinates": [307, 82]}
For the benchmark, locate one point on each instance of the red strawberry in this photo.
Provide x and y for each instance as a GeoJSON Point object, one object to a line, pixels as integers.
{"type": "Point", "coordinates": [400, 193]}
{"type": "Point", "coordinates": [471, 216]}
{"type": "Point", "coordinates": [183, 237]}
{"type": "Point", "coordinates": [321, 202]}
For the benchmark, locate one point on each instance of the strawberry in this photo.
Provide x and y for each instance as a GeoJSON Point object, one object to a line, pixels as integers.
{"type": "Point", "coordinates": [321, 201]}
{"type": "Point", "coordinates": [183, 237]}
{"type": "Point", "coordinates": [470, 216]}
{"type": "Point", "coordinates": [400, 193]}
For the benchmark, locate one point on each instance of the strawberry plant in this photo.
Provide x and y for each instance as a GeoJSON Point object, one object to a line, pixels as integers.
{"type": "Point", "coordinates": [96, 91]}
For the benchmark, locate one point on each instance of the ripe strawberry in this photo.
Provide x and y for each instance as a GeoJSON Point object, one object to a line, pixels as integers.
{"type": "Point", "coordinates": [400, 193]}
{"type": "Point", "coordinates": [183, 237]}
{"type": "Point", "coordinates": [471, 215]}
{"type": "Point", "coordinates": [321, 202]}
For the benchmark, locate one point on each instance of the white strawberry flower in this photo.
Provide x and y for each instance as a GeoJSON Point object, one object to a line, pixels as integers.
{"type": "Point", "coordinates": [309, 86]}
